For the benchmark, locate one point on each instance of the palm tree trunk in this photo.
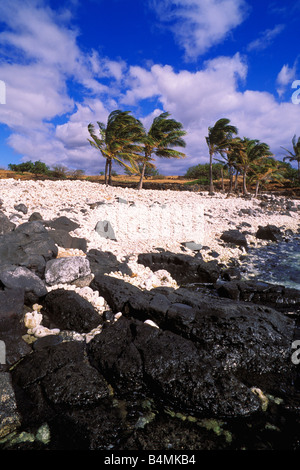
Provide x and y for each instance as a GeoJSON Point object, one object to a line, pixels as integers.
{"type": "Point", "coordinates": [109, 171]}
{"type": "Point", "coordinates": [106, 168]}
{"type": "Point", "coordinates": [140, 184]}
{"type": "Point", "coordinates": [230, 180]}
{"type": "Point", "coordinates": [211, 184]}
{"type": "Point", "coordinates": [244, 182]}
{"type": "Point", "coordinates": [222, 176]}
{"type": "Point", "coordinates": [236, 180]}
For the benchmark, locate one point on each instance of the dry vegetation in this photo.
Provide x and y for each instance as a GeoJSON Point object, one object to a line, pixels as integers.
{"type": "Point", "coordinates": [171, 180]}
{"type": "Point", "coordinates": [95, 178]}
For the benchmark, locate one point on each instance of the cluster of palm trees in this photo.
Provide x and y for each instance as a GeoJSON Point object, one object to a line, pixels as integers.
{"type": "Point", "coordinates": [125, 140]}
{"type": "Point", "coordinates": [247, 157]}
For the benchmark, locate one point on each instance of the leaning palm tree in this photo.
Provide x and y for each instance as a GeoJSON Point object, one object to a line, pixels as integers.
{"type": "Point", "coordinates": [118, 140]}
{"type": "Point", "coordinates": [218, 140]}
{"type": "Point", "coordinates": [249, 152]}
{"type": "Point", "coordinates": [266, 169]}
{"type": "Point", "coordinates": [296, 155]}
{"type": "Point", "coordinates": [163, 135]}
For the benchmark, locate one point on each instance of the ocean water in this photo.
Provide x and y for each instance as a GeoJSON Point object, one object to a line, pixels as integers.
{"type": "Point", "coordinates": [276, 263]}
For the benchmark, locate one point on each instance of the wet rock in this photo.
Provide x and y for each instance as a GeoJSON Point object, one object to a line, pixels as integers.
{"type": "Point", "coordinates": [75, 384]}
{"type": "Point", "coordinates": [58, 385]}
{"type": "Point", "coordinates": [9, 416]}
{"type": "Point", "coordinates": [276, 296]}
{"type": "Point", "coordinates": [221, 326]}
{"type": "Point", "coordinates": [67, 310]}
{"type": "Point", "coordinates": [114, 354]}
{"type": "Point", "coordinates": [168, 367]}
{"type": "Point", "coordinates": [28, 374]}
{"type": "Point", "coordinates": [46, 341]}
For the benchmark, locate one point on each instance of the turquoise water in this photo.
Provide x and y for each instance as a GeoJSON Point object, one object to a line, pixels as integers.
{"type": "Point", "coordinates": [276, 263]}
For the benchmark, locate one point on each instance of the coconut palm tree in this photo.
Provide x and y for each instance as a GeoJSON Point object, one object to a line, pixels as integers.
{"type": "Point", "coordinates": [296, 155]}
{"type": "Point", "coordinates": [118, 140]}
{"type": "Point", "coordinates": [249, 152]}
{"type": "Point", "coordinates": [163, 135]}
{"type": "Point", "coordinates": [229, 161]}
{"type": "Point", "coordinates": [266, 169]}
{"type": "Point", "coordinates": [218, 140]}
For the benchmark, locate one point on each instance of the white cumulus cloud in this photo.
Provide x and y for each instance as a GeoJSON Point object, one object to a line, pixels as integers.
{"type": "Point", "coordinates": [200, 24]}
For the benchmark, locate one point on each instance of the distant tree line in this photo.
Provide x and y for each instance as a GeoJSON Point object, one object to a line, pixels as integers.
{"type": "Point", "coordinates": [40, 168]}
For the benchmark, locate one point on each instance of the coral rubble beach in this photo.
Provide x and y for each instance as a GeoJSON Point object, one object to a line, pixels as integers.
{"type": "Point", "coordinates": [128, 324]}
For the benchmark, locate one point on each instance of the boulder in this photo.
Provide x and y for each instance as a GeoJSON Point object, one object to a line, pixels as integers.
{"type": "Point", "coordinates": [62, 223]}
{"type": "Point", "coordinates": [21, 277]}
{"type": "Point", "coordinates": [21, 208]}
{"type": "Point", "coordinates": [276, 296]}
{"type": "Point", "coordinates": [5, 224]}
{"type": "Point", "coordinates": [105, 230]}
{"type": "Point", "coordinates": [66, 270]}
{"type": "Point", "coordinates": [269, 232]}
{"type": "Point", "coordinates": [136, 356]}
{"type": "Point", "coordinates": [67, 310]}
{"type": "Point", "coordinates": [192, 245]}
{"type": "Point", "coordinates": [182, 267]}
{"type": "Point", "coordinates": [234, 236]}
{"type": "Point", "coordinates": [28, 245]}
{"type": "Point", "coordinates": [12, 327]}
{"type": "Point", "coordinates": [105, 262]}
{"type": "Point", "coordinates": [63, 239]}
{"type": "Point", "coordinates": [221, 326]}
{"type": "Point", "coordinates": [9, 415]}
{"type": "Point", "coordinates": [35, 216]}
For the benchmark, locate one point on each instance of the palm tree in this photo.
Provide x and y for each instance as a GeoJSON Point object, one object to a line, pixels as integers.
{"type": "Point", "coordinates": [118, 140]}
{"type": "Point", "coordinates": [230, 157]}
{"type": "Point", "coordinates": [249, 152]}
{"type": "Point", "coordinates": [218, 140]}
{"type": "Point", "coordinates": [163, 135]}
{"type": "Point", "coordinates": [296, 155]}
{"type": "Point", "coordinates": [266, 169]}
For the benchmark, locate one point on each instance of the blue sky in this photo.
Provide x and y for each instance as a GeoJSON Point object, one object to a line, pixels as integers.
{"type": "Point", "coordinates": [71, 62]}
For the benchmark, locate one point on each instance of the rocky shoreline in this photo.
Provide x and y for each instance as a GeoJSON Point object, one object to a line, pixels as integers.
{"type": "Point", "coordinates": [118, 335]}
